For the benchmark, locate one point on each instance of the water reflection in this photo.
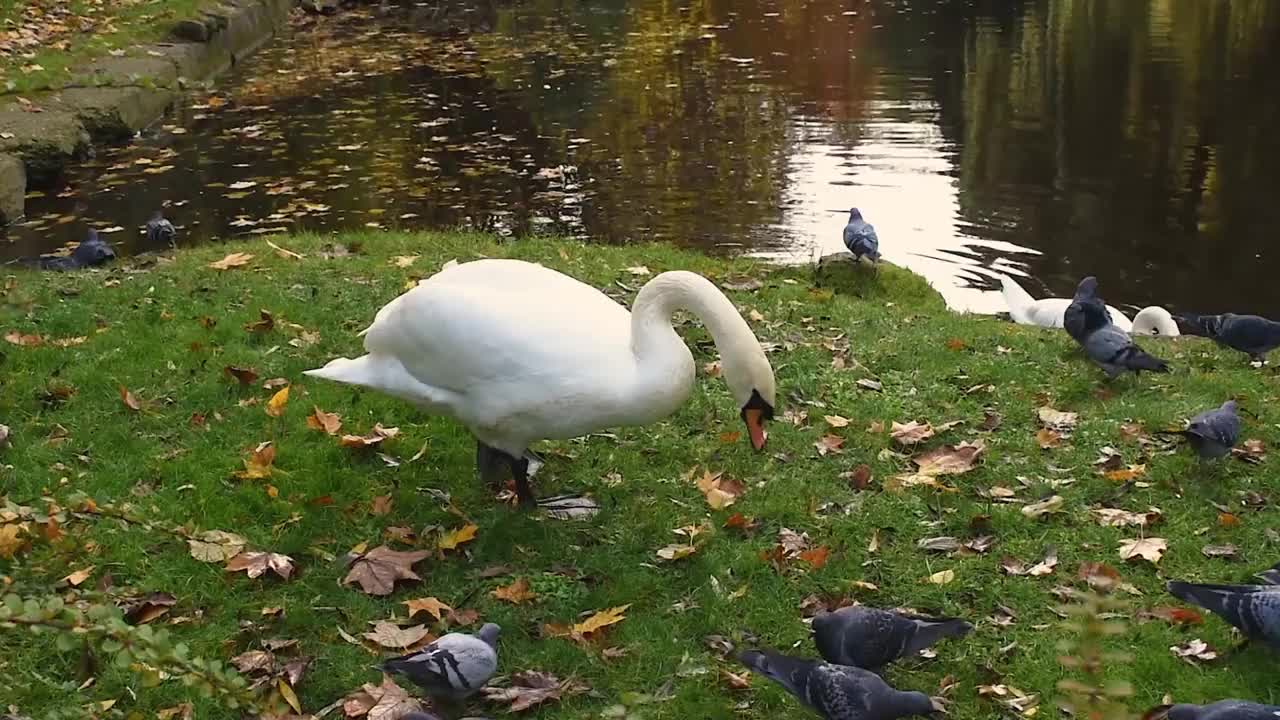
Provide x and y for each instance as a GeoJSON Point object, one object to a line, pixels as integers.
{"type": "Point", "coordinates": [1052, 138]}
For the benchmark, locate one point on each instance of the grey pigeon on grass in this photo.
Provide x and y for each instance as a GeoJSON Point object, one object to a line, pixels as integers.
{"type": "Point", "coordinates": [837, 692]}
{"type": "Point", "coordinates": [452, 668]}
{"type": "Point", "coordinates": [1214, 432]}
{"type": "Point", "coordinates": [160, 231]}
{"type": "Point", "coordinates": [871, 638]}
{"type": "Point", "coordinates": [1254, 609]}
{"type": "Point", "coordinates": [1250, 334]}
{"type": "Point", "coordinates": [1087, 321]}
{"type": "Point", "coordinates": [1221, 710]}
{"type": "Point", "coordinates": [860, 237]}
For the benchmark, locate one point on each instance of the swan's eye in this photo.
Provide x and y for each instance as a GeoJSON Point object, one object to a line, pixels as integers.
{"type": "Point", "coordinates": [757, 402]}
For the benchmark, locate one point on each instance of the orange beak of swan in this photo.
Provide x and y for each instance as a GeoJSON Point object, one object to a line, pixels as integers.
{"type": "Point", "coordinates": [755, 427]}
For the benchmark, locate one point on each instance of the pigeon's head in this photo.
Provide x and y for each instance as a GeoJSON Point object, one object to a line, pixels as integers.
{"type": "Point", "coordinates": [1192, 324]}
{"type": "Point", "coordinates": [489, 633]}
{"type": "Point", "coordinates": [1230, 406]}
{"type": "Point", "coordinates": [854, 214]}
{"type": "Point", "coordinates": [1087, 289]}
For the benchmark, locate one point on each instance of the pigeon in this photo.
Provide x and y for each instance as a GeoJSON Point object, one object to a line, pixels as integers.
{"type": "Point", "coordinates": [92, 252]}
{"type": "Point", "coordinates": [1221, 710]}
{"type": "Point", "coordinates": [160, 231]}
{"type": "Point", "coordinates": [1214, 432]}
{"type": "Point", "coordinates": [1250, 334]}
{"type": "Point", "coordinates": [860, 237]}
{"type": "Point", "coordinates": [1087, 321]}
{"type": "Point", "coordinates": [452, 668]}
{"type": "Point", "coordinates": [837, 692]}
{"type": "Point", "coordinates": [1255, 609]}
{"type": "Point", "coordinates": [1270, 577]}
{"type": "Point", "coordinates": [871, 638]}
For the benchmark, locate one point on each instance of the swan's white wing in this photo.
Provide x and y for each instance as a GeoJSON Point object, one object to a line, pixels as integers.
{"type": "Point", "coordinates": [530, 353]}
{"type": "Point", "coordinates": [1047, 312]}
{"type": "Point", "coordinates": [1120, 320]}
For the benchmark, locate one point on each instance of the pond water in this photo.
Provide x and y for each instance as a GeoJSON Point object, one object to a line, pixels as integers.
{"type": "Point", "coordinates": [1131, 139]}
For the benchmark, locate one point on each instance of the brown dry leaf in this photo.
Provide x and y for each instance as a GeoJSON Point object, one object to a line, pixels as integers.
{"type": "Point", "coordinates": [1114, 517]}
{"type": "Point", "coordinates": [328, 423]}
{"type": "Point", "coordinates": [245, 376]}
{"type": "Point", "coordinates": [836, 421]}
{"type": "Point", "coordinates": [378, 570]}
{"type": "Point", "coordinates": [128, 399]}
{"type": "Point", "coordinates": [259, 464]}
{"type": "Point", "coordinates": [430, 605]}
{"type": "Point", "coordinates": [720, 492]}
{"type": "Point", "coordinates": [1174, 615]}
{"type": "Point", "coordinates": [912, 433]}
{"type": "Point", "coordinates": [1132, 472]}
{"type": "Point", "coordinates": [1220, 551]}
{"type": "Point", "coordinates": [531, 688]}
{"type": "Point", "coordinates": [1045, 566]}
{"type": "Point", "coordinates": [1048, 439]}
{"type": "Point", "coordinates": [676, 551]}
{"type": "Point", "coordinates": [11, 539]}
{"type": "Point", "coordinates": [1038, 510]}
{"type": "Point", "coordinates": [944, 544]}
{"type": "Point", "coordinates": [264, 324]}
{"type": "Point", "coordinates": [1131, 431]}
{"type": "Point", "coordinates": [142, 610]}
{"type": "Point", "coordinates": [381, 505]}
{"type": "Point", "coordinates": [516, 593]}
{"type": "Point", "coordinates": [76, 578]}
{"type": "Point", "coordinates": [453, 539]}
{"type": "Point", "coordinates": [275, 406]}
{"type": "Point", "coordinates": [233, 260]}
{"type": "Point", "coordinates": [23, 340]}
{"type": "Point", "coordinates": [1252, 451]}
{"type": "Point", "coordinates": [601, 619]}
{"type": "Point", "coordinates": [387, 701]}
{"type": "Point", "coordinates": [829, 444]}
{"type": "Point", "coordinates": [375, 437]}
{"type": "Point", "coordinates": [215, 546]}
{"type": "Point", "coordinates": [390, 635]}
{"type": "Point", "coordinates": [949, 459]}
{"type": "Point", "coordinates": [258, 563]}
{"type": "Point", "coordinates": [817, 557]}
{"type": "Point", "coordinates": [1194, 650]}
{"type": "Point", "coordinates": [1057, 419]}
{"type": "Point", "coordinates": [1149, 549]}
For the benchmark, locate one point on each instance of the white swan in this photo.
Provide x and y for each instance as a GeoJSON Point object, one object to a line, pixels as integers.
{"type": "Point", "coordinates": [1047, 312]}
{"type": "Point", "coordinates": [518, 353]}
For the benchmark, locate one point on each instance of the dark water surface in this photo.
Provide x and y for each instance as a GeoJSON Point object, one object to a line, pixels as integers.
{"type": "Point", "coordinates": [1138, 140]}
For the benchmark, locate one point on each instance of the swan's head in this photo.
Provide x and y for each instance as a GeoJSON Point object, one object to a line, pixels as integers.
{"type": "Point", "coordinates": [1155, 320]}
{"type": "Point", "coordinates": [750, 379]}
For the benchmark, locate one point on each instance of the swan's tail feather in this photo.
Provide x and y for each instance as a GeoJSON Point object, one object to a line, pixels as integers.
{"type": "Point", "coordinates": [1018, 300]}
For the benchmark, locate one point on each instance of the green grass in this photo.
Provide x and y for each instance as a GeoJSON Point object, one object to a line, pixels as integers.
{"type": "Point", "coordinates": [117, 26]}
{"type": "Point", "coordinates": [145, 333]}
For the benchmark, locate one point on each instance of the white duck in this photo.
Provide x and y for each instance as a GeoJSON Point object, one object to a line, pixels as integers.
{"type": "Point", "coordinates": [1047, 312]}
{"type": "Point", "coordinates": [519, 353]}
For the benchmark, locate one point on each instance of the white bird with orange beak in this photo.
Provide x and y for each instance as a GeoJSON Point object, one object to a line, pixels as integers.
{"type": "Point", "coordinates": [520, 353]}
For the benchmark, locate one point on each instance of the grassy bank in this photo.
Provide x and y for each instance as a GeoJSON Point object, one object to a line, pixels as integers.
{"type": "Point", "coordinates": [44, 40]}
{"type": "Point", "coordinates": [167, 331]}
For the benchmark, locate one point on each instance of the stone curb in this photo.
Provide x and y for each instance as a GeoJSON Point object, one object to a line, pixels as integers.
{"type": "Point", "coordinates": [116, 97]}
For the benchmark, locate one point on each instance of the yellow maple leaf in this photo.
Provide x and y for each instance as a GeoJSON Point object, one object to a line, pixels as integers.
{"type": "Point", "coordinates": [10, 544]}
{"type": "Point", "coordinates": [275, 406]}
{"type": "Point", "coordinates": [452, 539]}
{"type": "Point", "coordinates": [427, 604]}
{"type": "Point", "coordinates": [515, 593]}
{"type": "Point", "coordinates": [602, 619]}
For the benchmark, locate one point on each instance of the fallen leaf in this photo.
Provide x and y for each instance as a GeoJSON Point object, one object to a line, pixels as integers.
{"type": "Point", "coordinates": [836, 421]}
{"type": "Point", "coordinates": [828, 444]}
{"type": "Point", "coordinates": [257, 563]}
{"type": "Point", "coordinates": [638, 270]}
{"type": "Point", "coordinates": [215, 546]}
{"type": "Point", "coordinates": [859, 478]}
{"type": "Point", "coordinates": [601, 620]}
{"type": "Point", "coordinates": [259, 464]}
{"type": "Point", "coordinates": [76, 578]}
{"type": "Point", "coordinates": [375, 437]}
{"type": "Point", "coordinates": [387, 701]}
{"type": "Point", "coordinates": [1194, 650]}
{"type": "Point", "coordinates": [11, 539]}
{"type": "Point", "coordinates": [454, 538]}
{"type": "Point", "coordinates": [233, 260]}
{"type": "Point", "coordinates": [943, 577]}
{"type": "Point", "coordinates": [328, 423]}
{"type": "Point", "coordinates": [949, 459]}
{"type": "Point", "coordinates": [1132, 472]}
{"type": "Point", "coordinates": [245, 376]}
{"type": "Point", "coordinates": [1220, 551]}
{"type": "Point", "coordinates": [1175, 615]}
{"type": "Point", "coordinates": [943, 544]}
{"type": "Point", "coordinates": [677, 551]}
{"type": "Point", "coordinates": [516, 593]}
{"type": "Point", "coordinates": [1038, 510]}
{"type": "Point", "coordinates": [381, 505]}
{"type": "Point", "coordinates": [428, 605]}
{"type": "Point", "coordinates": [816, 557]}
{"type": "Point", "coordinates": [275, 407]}
{"type": "Point", "coordinates": [1057, 419]}
{"type": "Point", "coordinates": [531, 688]}
{"type": "Point", "coordinates": [17, 338]}
{"type": "Point", "coordinates": [1045, 566]}
{"type": "Point", "coordinates": [128, 399]}
{"type": "Point", "coordinates": [1114, 517]}
{"type": "Point", "coordinates": [378, 570]}
{"type": "Point", "coordinates": [145, 609]}
{"type": "Point", "coordinates": [1048, 439]}
{"type": "Point", "coordinates": [1149, 549]}
{"type": "Point", "coordinates": [911, 433]}
{"type": "Point", "coordinates": [720, 492]}
{"type": "Point", "coordinates": [264, 324]}
{"type": "Point", "coordinates": [390, 635]}
{"type": "Point", "coordinates": [404, 261]}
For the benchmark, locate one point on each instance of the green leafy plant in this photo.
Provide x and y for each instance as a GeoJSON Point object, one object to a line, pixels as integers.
{"type": "Point", "coordinates": [1095, 694]}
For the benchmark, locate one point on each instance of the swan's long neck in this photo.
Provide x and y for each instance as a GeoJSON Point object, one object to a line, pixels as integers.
{"type": "Point", "coordinates": [1154, 320]}
{"type": "Point", "coordinates": [659, 350]}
